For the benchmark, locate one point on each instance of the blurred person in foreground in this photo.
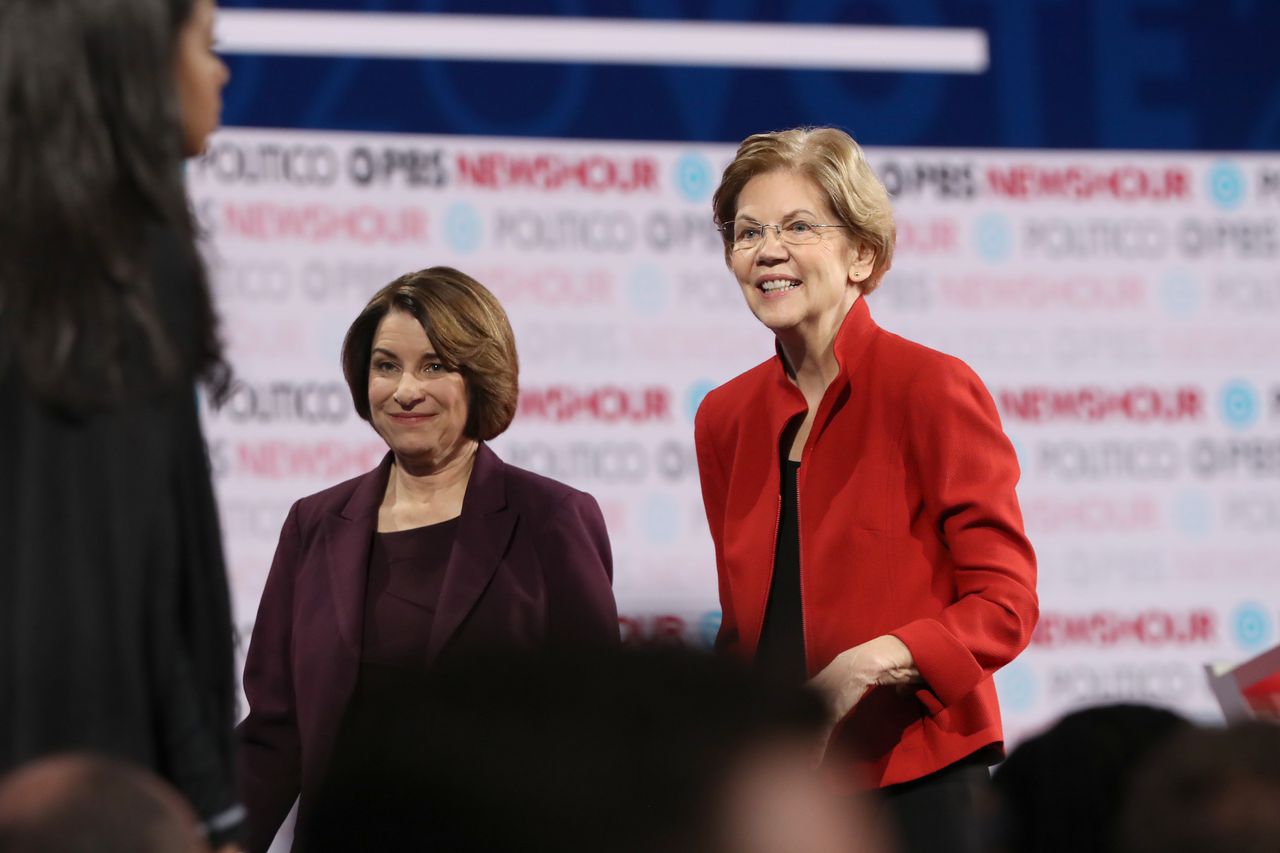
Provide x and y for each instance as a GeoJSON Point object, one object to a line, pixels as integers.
{"type": "Point", "coordinates": [1208, 791]}
{"type": "Point", "coordinates": [441, 549]}
{"type": "Point", "coordinates": [89, 804]}
{"type": "Point", "coordinates": [860, 494]}
{"type": "Point", "coordinates": [115, 621]}
{"type": "Point", "coordinates": [1063, 790]}
{"type": "Point", "coordinates": [609, 751]}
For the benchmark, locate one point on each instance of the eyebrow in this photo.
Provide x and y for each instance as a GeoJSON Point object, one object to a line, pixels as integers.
{"type": "Point", "coordinates": [790, 215]}
{"type": "Point", "coordinates": [429, 354]}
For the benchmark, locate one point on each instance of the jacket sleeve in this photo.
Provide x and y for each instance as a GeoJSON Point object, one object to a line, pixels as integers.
{"type": "Point", "coordinates": [573, 546]}
{"type": "Point", "coordinates": [270, 752]}
{"type": "Point", "coordinates": [715, 486]}
{"type": "Point", "coordinates": [967, 470]}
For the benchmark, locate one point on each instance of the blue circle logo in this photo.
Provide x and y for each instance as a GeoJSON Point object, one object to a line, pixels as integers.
{"type": "Point", "coordinates": [993, 237]}
{"type": "Point", "coordinates": [660, 519]}
{"type": "Point", "coordinates": [709, 627]}
{"type": "Point", "coordinates": [648, 289]}
{"type": "Point", "coordinates": [694, 396]}
{"type": "Point", "coordinates": [1239, 404]}
{"type": "Point", "coordinates": [1180, 294]}
{"type": "Point", "coordinates": [1192, 513]}
{"type": "Point", "coordinates": [1252, 625]}
{"type": "Point", "coordinates": [463, 228]}
{"type": "Point", "coordinates": [1226, 185]}
{"type": "Point", "coordinates": [1016, 687]}
{"type": "Point", "coordinates": [693, 177]}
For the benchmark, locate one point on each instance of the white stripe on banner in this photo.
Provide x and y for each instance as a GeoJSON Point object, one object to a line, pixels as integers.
{"type": "Point", "coordinates": [505, 38]}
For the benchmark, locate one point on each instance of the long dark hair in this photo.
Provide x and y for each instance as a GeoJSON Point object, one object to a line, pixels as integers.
{"type": "Point", "coordinates": [91, 166]}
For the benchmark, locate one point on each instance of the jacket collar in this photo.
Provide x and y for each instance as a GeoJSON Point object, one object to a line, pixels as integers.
{"type": "Point", "coordinates": [484, 529]}
{"type": "Point", "coordinates": [850, 345]}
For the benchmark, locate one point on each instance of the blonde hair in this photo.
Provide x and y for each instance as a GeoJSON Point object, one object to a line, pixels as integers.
{"type": "Point", "coordinates": [468, 329]}
{"type": "Point", "coordinates": [836, 163]}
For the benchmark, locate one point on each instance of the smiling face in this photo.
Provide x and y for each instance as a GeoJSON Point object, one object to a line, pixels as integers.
{"type": "Point", "coordinates": [797, 288]}
{"type": "Point", "coordinates": [416, 404]}
{"type": "Point", "coordinates": [201, 74]}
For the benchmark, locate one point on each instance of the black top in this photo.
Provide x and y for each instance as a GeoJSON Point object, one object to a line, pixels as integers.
{"type": "Point", "coordinates": [780, 653]}
{"type": "Point", "coordinates": [406, 571]}
{"type": "Point", "coordinates": [115, 617]}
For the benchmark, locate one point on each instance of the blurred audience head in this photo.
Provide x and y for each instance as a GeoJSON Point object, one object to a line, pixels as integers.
{"type": "Point", "coordinates": [1208, 790]}
{"type": "Point", "coordinates": [635, 751]}
{"type": "Point", "coordinates": [86, 804]}
{"type": "Point", "coordinates": [1062, 791]}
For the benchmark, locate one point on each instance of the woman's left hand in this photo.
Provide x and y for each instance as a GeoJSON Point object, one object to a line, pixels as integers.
{"type": "Point", "coordinates": [844, 681]}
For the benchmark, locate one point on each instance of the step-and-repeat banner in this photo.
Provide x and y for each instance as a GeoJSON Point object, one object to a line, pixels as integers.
{"type": "Point", "coordinates": [1123, 309]}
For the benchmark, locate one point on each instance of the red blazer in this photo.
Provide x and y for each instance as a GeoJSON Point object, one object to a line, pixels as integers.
{"type": "Point", "coordinates": [909, 526]}
{"type": "Point", "coordinates": [530, 565]}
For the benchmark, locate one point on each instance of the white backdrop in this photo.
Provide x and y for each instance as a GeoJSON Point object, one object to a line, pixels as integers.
{"type": "Point", "coordinates": [1123, 309]}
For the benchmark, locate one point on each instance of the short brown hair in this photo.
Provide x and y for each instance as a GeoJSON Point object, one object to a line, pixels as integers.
{"type": "Point", "coordinates": [469, 330]}
{"type": "Point", "coordinates": [836, 163]}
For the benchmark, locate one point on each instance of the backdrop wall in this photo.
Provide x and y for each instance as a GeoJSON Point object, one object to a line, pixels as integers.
{"type": "Point", "coordinates": [1123, 306]}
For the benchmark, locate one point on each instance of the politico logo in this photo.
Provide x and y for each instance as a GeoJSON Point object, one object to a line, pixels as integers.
{"type": "Point", "coordinates": [609, 462]}
{"type": "Point", "coordinates": [285, 402]}
{"type": "Point", "coordinates": [1109, 628]}
{"type": "Point", "coordinates": [1138, 460]}
{"type": "Point", "coordinates": [1129, 682]}
{"type": "Point", "coordinates": [231, 163]}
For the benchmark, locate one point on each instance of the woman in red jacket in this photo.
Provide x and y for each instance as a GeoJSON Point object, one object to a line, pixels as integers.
{"type": "Point", "coordinates": [860, 494]}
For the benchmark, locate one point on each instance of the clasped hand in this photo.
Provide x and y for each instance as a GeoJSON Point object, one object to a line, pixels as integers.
{"type": "Point", "coordinates": [843, 682]}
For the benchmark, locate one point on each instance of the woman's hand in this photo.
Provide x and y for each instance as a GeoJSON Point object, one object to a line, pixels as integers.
{"type": "Point", "coordinates": [844, 681]}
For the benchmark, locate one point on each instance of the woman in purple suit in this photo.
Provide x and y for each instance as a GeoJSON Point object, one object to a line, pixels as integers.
{"type": "Point", "coordinates": [442, 549]}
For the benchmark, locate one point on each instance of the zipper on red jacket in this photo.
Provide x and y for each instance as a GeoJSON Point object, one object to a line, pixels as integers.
{"type": "Point", "coordinates": [804, 622]}
{"type": "Point", "coordinates": [773, 569]}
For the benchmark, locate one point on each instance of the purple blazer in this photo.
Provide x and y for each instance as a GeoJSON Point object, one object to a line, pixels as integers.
{"type": "Point", "coordinates": [530, 566]}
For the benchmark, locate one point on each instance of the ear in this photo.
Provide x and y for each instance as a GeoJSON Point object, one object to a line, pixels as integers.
{"type": "Point", "coordinates": [861, 264]}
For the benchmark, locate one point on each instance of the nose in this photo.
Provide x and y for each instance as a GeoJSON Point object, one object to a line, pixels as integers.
{"type": "Point", "coordinates": [409, 392]}
{"type": "Point", "coordinates": [774, 249]}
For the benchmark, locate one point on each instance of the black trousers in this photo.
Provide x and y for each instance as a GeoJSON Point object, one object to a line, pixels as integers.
{"type": "Point", "coordinates": [941, 812]}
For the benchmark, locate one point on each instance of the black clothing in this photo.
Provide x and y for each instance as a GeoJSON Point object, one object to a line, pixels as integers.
{"type": "Point", "coordinates": [406, 571]}
{"type": "Point", "coordinates": [115, 618]}
{"type": "Point", "coordinates": [780, 654]}
{"type": "Point", "coordinates": [940, 812]}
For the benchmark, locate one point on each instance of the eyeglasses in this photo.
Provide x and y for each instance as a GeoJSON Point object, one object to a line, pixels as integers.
{"type": "Point", "coordinates": [746, 234]}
